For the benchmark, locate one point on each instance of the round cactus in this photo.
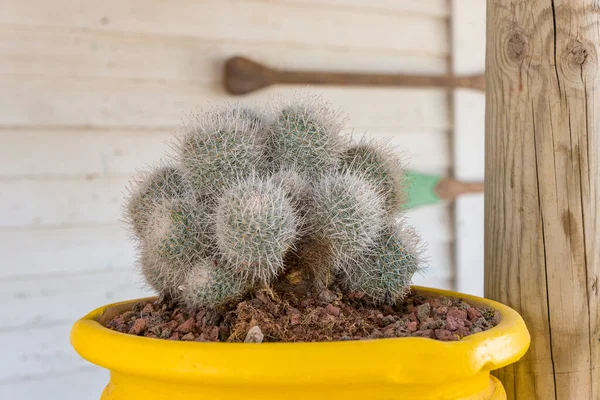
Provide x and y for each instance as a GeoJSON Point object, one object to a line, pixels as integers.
{"type": "Point", "coordinates": [385, 270]}
{"type": "Point", "coordinates": [209, 285]}
{"type": "Point", "coordinates": [296, 187]}
{"type": "Point", "coordinates": [305, 136]}
{"type": "Point", "coordinates": [381, 166]}
{"type": "Point", "coordinates": [149, 188]}
{"type": "Point", "coordinates": [162, 275]}
{"type": "Point", "coordinates": [348, 212]}
{"type": "Point", "coordinates": [256, 225]}
{"type": "Point", "coordinates": [179, 230]}
{"type": "Point", "coordinates": [222, 146]}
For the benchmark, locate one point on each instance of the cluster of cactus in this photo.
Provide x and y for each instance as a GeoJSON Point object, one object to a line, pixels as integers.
{"type": "Point", "coordinates": [251, 196]}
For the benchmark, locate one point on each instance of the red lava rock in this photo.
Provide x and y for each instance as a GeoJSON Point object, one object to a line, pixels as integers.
{"type": "Point", "coordinates": [165, 333]}
{"type": "Point", "coordinates": [376, 334]}
{"type": "Point", "coordinates": [174, 336]}
{"type": "Point", "coordinates": [389, 333]}
{"type": "Point", "coordinates": [138, 326]}
{"type": "Point", "coordinates": [294, 319]}
{"type": "Point", "coordinates": [214, 334]}
{"type": "Point", "coordinates": [332, 310]}
{"type": "Point", "coordinates": [473, 314]}
{"type": "Point", "coordinates": [187, 326]}
{"type": "Point", "coordinates": [200, 315]}
{"type": "Point", "coordinates": [412, 316]}
{"type": "Point", "coordinates": [170, 325]}
{"type": "Point", "coordinates": [444, 334]}
{"type": "Point", "coordinates": [441, 310]}
{"type": "Point", "coordinates": [423, 311]}
{"type": "Point", "coordinates": [453, 323]}
{"type": "Point", "coordinates": [327, 296]}
{"type": "Point", "coordinates": [412, 326]}
{"type": "Point", "coordinates": [188, 337]}
{"type": "Point", "coordinates": [435, 303]}
{"type": "Point", "coordinates": [457, 313]}
{"type": "Point", "coordinates": [462, 332]}
{"type": "Point", "coordinates": [427, 333]}
{"type": "Point", "coordinates": [148, 308]}
{"type": "Point", "coordinates": [431, 323]}
{"type": "Point", "coordinates": [356, 295]}
{"type": "Point", "coordinates": [387, 320]}
{"type": "Point", "coordinates": [261, 296]}
{"type": "Point", "coordinates": [475, 329]}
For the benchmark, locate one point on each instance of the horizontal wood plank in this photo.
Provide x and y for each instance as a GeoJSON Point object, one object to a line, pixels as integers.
{"type": "Point", "coordinates": [28, 252]}
{"type": "Point", "coordinates": [80, 53]}
{"type": "Point", "coordinates": [33, 250]}
{"type": "Point", "coordinates": [48, 298]}
{"type": "Point", "coordinates": [263, 21]}
{"type": "Point", "coordinates": [85, 383]}
{"type": "Point", "coordinates": [38, 351]}
{"type": "Point", "coordinates": [97, 102]}
{"type": "Point", "coordinates": [40, 153]}
{"type": "Point", "coordinates": [438, 8]}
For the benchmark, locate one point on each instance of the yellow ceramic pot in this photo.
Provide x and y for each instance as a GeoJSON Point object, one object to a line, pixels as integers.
{"type": "Point", "coordinates": [403, 368]}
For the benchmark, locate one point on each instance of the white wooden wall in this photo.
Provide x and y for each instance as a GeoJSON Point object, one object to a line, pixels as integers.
{"type": "Point", "coordinates": [468, 57]}
{"type": "Point", "coordinates": [90, 91]}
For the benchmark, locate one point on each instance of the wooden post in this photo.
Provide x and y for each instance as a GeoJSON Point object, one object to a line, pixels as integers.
{"type": "Point", "coordinates": [542, 188]}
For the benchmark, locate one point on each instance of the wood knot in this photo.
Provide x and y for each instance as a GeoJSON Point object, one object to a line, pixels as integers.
{"type": "Point", "coordinates": [517, 46]}
{"type": "Point", "coordinates": [577, 53]}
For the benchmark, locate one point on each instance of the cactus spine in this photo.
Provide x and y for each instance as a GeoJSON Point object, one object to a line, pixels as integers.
{"type": "Point", "coordinates": [348, 212]}
{"type": "Point", "coordinates": [148, 189]}
{"type": "Point", "coordinates": [256, 225]}
{"type": "Point", "coordinates": [222, 146]}
{"type": "Point", "coordinates": [305, 136]}
{"type": "Point", "coordinates": [380, 166]}
{"type": "Point", "coordinates": [209, 284]}
{"type": "Point", "coordinates": [384, 272]}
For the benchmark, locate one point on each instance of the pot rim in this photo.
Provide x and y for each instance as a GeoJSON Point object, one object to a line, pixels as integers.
{"type": "Point", "coordinates": [426, 361]}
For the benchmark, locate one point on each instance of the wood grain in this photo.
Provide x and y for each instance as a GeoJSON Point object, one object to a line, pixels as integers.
{"type": "Point", "coordinates": [85, 383]}
{"type": "Point", "coordinates": [79, 53]}
{"type": "Point", "coordinates": [64, 102]}
{"type": "Point", "coordinates": [542, 189]}
{"type": "Point", "coordinates": [28, 299]}
{"type": "Point", "coordinates": [252, 21]}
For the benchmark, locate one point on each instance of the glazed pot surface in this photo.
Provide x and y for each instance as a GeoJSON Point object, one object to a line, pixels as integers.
{"type": "Point", "coordinates": [399, 368]}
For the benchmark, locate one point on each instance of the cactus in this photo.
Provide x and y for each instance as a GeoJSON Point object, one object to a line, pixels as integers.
{"type": "Point", "coordinates": [208, 284]}
{"type": "Point", "coordinates": [305, 136]}
{"type": "Point", "coordinates": [252, 200]}
{"type": "Point", "coordinates": [179, 230]}
{"type": "Point", "coordinates": [222, 146]}
{"type": "Point", "coordinates": [149, 188]}
{"type": "Point", "coordinates": [385, 270]}
{"type": "Point", "coordinates": [348, 212]}
{"type": "Point", "coordinates": [256, 225]}
{"type": "Point", "coordinates": [162, 275]}
{"type": "Point", "coordinates": [297, 188]}
{"type": "Point", "coordinates": [381, 166]}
